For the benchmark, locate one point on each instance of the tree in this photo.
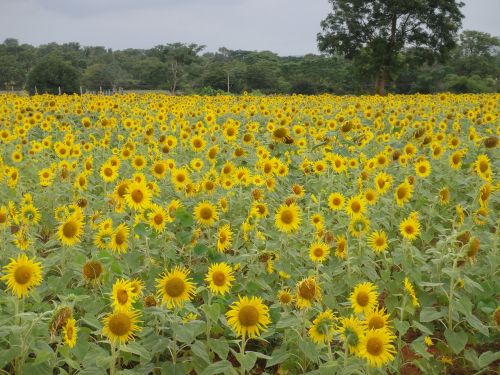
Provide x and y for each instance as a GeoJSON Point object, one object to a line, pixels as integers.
{"type": "Point", "coordinates": [477, 43]}
{"type": "Point", "coordinates": [377, 31]}
{"type": "Point", "coordinates": [52, 73]}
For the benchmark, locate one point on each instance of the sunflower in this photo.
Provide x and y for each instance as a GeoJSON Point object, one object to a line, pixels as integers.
{"type": "Point", "coordinates": [359, 226]}
{"type": "Point", "coordinates": [383, 182]}
{"type": "Point", "coordinates": [219, 277]}
{"type": "Point", "coordinates": [71, 230]}
{"type": "Point", "coordinates": [355, 206]}
{"type": "Point", "coordinates": [119, 239]}
{"type": "Point", "coordinates": [70, 332]}
{"type": "Point", "coordinates": [108, 172]}
{"type": "Point", "coordinates": [411, 292]}
{"type": "Point", "coordinates": [351, 332]}
{"type": "Point", "coordinates": [403, 193]}
{"type": "Point", "coordinates": [323, 327]}
{"type": "Point", "coordinates": [455, 160]}
{"type": "Point", "coordinates": [423, 168]}
{"type": "Point", "coordinates": [4, 217]}
{"type": "Point", "coordinates": [285, 296]}
{"type": "Point", "coordinates": [444, 196]}
{"type": "Point", "coordinates": [377, 347]}
{"type": "Point", "coordinates": [138, 196]}
{"type": "Point", "coordinates": [92, 270]}
{"type": "Point", "coordinates": [224, 238]}
{"type": "Point", "coordinates": [370, 196]}
{"type": "Point", "coordinates": [159, 169]}
{"type": "Point", "coordinates": [22, 274]}
{"type": "Point", "coordinates": [410, 227]}
{"type": "Point", "coordinates": [336, 201]}
{"type": "Point", "coordinates": [482, 167]}
{"type": "Point", "coordinates": [120, 326]}
{"type": "Point", "coordinates": [102, 239]}
{"type": "Point", "coordinates": [123, 295]}
{"type": "Point", "coordinates": [308, 291]}
{"type": "Point", "coordinates": [288, 217]}
{"type": "Point", "coordinates": [318, 251]}
{"type": "Point", "coordinates": [364, 298]}
{"type": "Point", "coordinates": [175, 287]}
{"type": "Point", "coordinates": [378, 241]}
{"type": "Point", "coordinates": [248, 316]}
{"type": "Point", "coordinates": [206, 213]}
{"type": "Point", "coordinates": [341, 247]}
{"type": "Point", "coordinates": [158, 218]}
{"type": "Point", "coordinates": [377, 319]}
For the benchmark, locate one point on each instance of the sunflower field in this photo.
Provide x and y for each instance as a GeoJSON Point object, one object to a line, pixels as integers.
{"type": "Point", "coordinates": [154, 234]}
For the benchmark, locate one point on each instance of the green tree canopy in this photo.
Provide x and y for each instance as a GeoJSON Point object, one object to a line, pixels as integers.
{"type": "Point", "coordinates": [52, 73]}
{"type": "Point", "coordinates": [377, 31]}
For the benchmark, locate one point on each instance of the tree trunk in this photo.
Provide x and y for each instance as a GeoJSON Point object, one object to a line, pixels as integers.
{"type": "Point", "coordinates": [381, 80]}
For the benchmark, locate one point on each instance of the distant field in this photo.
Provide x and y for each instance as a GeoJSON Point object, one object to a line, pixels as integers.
{"type": "Point", "coordinates": [147, 233]}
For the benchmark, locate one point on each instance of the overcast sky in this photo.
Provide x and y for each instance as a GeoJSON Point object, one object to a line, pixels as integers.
{"type": "Point", "coordinates": [287, 27]}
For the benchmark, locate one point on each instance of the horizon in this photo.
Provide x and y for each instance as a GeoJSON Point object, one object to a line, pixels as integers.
{"type": "Point", "coordinates": [105, 25]}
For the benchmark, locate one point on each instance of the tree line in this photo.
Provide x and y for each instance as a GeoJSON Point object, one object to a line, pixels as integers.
{"type": "Point", "coordinates": [473, 66]}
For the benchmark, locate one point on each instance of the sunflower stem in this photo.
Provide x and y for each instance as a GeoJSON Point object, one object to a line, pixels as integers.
{"type": "Point", "coordinates": [243, 343]}
{"type": "Point", "coordinates": [346, 355]}
{"type": "Point", "coordinates": [400, 341]}
{"type": "Point", "coordinates": [113, 360]}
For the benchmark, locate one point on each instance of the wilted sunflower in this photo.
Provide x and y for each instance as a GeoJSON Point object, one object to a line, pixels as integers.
{"type": "Point", "coordinates": [364, 298]}
{"type": "Point", "coordinates": [248, 316]}
{"type": "Point", "coordinates": [219, 277]}
{"type": "Point", "coordinates": [205, 213]}
{"type": "Point", "coordinates": [22, 274]}
{"type": "Point", "coordinates": [288, 217]}
{"type": "Point", "coordinates": [377, 347]}
{"type": "Point", "coordinates": [307, 292]}
{"type": "Point", "coordinates": [70, 332]}
{"type": "Point", "coordinates": [323, 327]}
{"type": "Point", "coordinates": [70, 230]}
{"type": "Point", "coordinates": [120, 326]}
{"type": "Point", "coordinates": [92, 270]}
{"type": "Point", "coordinates": [224, 238]}
{"type": "Point", "coordinates": [341, 247]}
{"type": "Point", "coordinates": [175, 287]}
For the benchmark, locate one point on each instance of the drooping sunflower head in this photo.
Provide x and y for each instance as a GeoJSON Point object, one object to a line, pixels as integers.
{"type": "Point", "coordinates": [92, 270]}
{"type": "Point", "coordinates": [307, 292]}
{"type": "Point", "coordinates": [175, 287]}
{"type": "Point", "coordinates": [248, 316]}
{"type": "Point", "coordinates": [22, 274]}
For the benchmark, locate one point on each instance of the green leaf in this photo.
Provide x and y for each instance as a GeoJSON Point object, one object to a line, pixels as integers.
{"type": "Point", "coordinates": [219, 346]}
{"type": "Point", "coordinates": [429, 314]}
{"type": "Point", "coordinates": [277, 357]}
{"type": "Point", "coordinates": [402, 326]}
{"type": "Point", "coordinates": [456, 340]}
{"type": "Point", "coordinates": [135, 348]}
{"type": "Point", "coordinates": [488, 357]}
{"type": "Point", "coordinates": [212, 311]}
{"type": "Point", "coordinates": [200, 249]}
{"type": "Point", "coordinates": [247, 360]}
{"type": "Point", "coordinates": [200, 350]}
{"type": "Point", "coordinates": [185, 218]}
{"type": "Point", "coordinates": [309, 349]}
{"type": "Point", "coordinates": [477, 324]}
{"type": "Point", "coordinates": [219, 368]}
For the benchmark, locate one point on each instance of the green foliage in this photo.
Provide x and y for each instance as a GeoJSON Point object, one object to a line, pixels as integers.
{"type": "Point", "coordinates": [53, 73]}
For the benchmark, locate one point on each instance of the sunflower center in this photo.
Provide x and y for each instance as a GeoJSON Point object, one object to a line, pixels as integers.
{"type": "Point", "coordinates": [307, 290]}
{"type": "Point", "coordinates": [108, 172]}
{"type": "Point", "coordinates": [120, 238]}
{"type": "Point", "coordinates": [120, 324]}
{"type": "Point", "coordinates": [122, 296]}
{"type": "Point", "coordinates": [206, 213]}
{"type": "Point", "coordinates": [3, 217]}
{"type": "Point", "coordinates": [401, 193]}
{"type": "Point", "coordinates": [159, 169]}
{"type": "Point", "coordinates": [158, 219]}
{"type": "Point", "coordinates": [355, 206]}
{"type": "Point", "coordinates": [287, 216]}
{"type": "Point", "coordinates": [137, 195]}
{"type": "Point", "coordinates": [22, 275]}
{"type": "Point", "coordinates": [379, 241]}
{"type": "Point", "coordinates": [69, 332]}
{"type": "Point", "coordinates": [409, 229]}
{"type": "Point", "coordinates": [222, 237]}
{"type": "Point", "coordinates": [422, 169]}
{"type": "Point", "coordinates": [285, 298]}
{"type": "Point", "coordinates": [336, 201]}
{"type": "Point", "coordinates": [374, 346]}
{"type": "Point", "coordinates": [318, 252]}
{"type": "Point", "coordinates": [175, 287]}
{"type": "Point", "coordinates": [219, 278]}
{"type": "Point", "coordinates": [376, 322]}
{"type": "Point", "coordinates": [362, 298]}
{"type": "Point", "coordinates": [483, 166]}
{"type": "Point", "coordinates": [70, 229]}
{"type": "Point", "coordinates": [248, 316]}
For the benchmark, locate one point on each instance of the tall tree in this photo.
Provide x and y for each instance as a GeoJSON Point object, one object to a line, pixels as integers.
{"type": "Point", "coordinates": [377, 31]}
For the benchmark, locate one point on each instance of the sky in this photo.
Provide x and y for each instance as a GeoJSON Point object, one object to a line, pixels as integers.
{"type": "Point", "coordinates": [287, 27]}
